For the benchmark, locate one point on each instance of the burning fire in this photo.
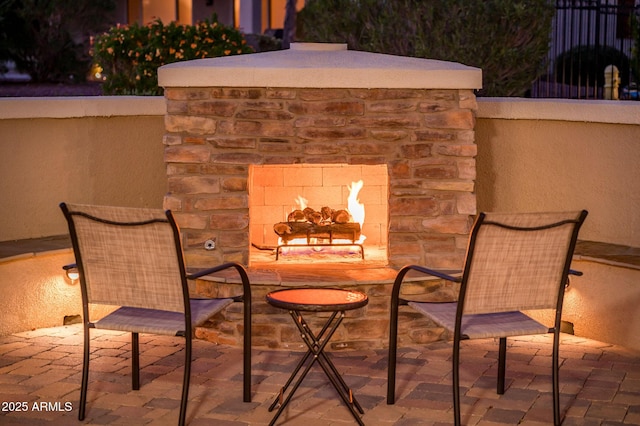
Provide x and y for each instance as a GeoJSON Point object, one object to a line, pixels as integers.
{"type": "Point", "coordinates": [354, 207]}
{"type": "Point", "coordinates": [302, 202]}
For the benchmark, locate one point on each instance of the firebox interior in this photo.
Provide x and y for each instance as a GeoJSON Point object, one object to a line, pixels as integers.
{"type": "Point", "coordinates": [278, 195]}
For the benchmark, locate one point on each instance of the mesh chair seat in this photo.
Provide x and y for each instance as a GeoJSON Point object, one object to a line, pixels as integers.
{"type": "Point", "coordinates": [154, 321]}
{"type": "Point", "coordinates": [479, 326]}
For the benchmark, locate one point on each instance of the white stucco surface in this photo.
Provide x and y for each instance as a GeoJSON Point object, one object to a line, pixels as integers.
{"type": "Point", "coordinates": [81, 106]}
{"type": "Point", "coordinates": [588, 111]}
{"type": "Point", "coordinates": [316, 65]}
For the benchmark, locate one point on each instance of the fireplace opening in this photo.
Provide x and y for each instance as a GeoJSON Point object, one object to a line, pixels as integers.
{"type": "Point", "coordinates": [314, 213]}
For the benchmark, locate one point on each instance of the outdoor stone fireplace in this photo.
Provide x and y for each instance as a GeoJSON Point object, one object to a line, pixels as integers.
{"type": "Point", "coordinates": [236, 126]}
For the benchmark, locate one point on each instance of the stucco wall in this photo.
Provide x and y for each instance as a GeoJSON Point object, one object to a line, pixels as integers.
{"type": "Point", "coordinates": [531, 156]}
{"type": "Point", "coordinates": [530, 162]}
{"type": "Point", "coordinates": [602, 304]}
{"type": "Point", "coordinates": [51, 151]}
{"type": "Point", "coordinates": [36, 293]}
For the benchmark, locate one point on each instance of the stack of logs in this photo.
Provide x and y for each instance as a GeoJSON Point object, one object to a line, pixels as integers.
{"type": "Point", "coordinates": [326, 223]}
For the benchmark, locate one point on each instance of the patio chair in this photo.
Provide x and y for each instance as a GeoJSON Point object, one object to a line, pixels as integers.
{"type": "Point", "coordinates": [514, 262]}
{"type": "Point", "coordinates": [132, 258]}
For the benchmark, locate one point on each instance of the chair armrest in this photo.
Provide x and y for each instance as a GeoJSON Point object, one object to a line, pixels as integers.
{"type": "Point", "coordinates": [246, 286]}
{"type": "Point", "coordinates": [209, 271]}
{"type": "Point", "coordinates": [445, 275]}
{"type": "Point", "coordinates": [395, 291]}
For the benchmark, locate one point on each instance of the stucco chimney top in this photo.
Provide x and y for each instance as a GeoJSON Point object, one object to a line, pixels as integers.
{"type": "Point", "coordinates": [325, 47]}
{"type": "Point", "coordinates": [320, 65]}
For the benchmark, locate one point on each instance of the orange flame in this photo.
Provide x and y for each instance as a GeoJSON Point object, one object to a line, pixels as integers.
{"type": "Point", "coordinates": [302, 202]}
{"type": "Point", "coordinates": [355, 207]}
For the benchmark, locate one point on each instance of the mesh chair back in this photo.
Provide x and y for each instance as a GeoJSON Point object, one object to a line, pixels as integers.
{"type": "Point", "coordinates": [517, 261]}
{"type": "Point", "coordinates": [128, 256]}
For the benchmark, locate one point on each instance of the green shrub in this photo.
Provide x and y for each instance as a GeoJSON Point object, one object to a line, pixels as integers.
{"type": "Point", "coordinates": [584, 65]}
{"type": "Point", "coordinates": [263, 42]}
{"type": "Point", "coordinates": [507, 39]}
{"type": "Point", "coordinates": [130, 55]}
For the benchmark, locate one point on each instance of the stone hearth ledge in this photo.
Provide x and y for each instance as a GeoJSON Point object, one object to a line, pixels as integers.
{"type": "Point", "coordinates": [321, 275]}
{"type": "Point", "coordinates": [312, 65]}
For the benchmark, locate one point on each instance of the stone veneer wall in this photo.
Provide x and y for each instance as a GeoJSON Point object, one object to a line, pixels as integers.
{"type": "Point", "coordinates": [425, 137]}
{"type": "Point", "coordinates": [365, 328]}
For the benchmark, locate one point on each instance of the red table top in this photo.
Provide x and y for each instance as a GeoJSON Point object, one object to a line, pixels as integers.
{"type": "Point", "coordinates": [317, 299]}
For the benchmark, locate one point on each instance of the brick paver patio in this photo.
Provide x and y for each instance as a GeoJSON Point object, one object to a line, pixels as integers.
{"type": "Point", "coordinates": [40, 373]}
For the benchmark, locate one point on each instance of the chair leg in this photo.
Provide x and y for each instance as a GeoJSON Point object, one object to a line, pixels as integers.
{"type": "Point", "coordinates": [502, 363]}
{"type": "Point", "coordinates": [185, 380]}
{"type": "Point", "coordinates": [85, 374]}
{"type": "Point", "coordinates": [135, 362]}
{"type": "Point", "coordinates": [555, 373]}
{"type": "Point", "coordinates": [393, 349]}
{"type": "Point", "coordinates": [246, 349]}
{"type": "Point", "coordinates": [456, 381]}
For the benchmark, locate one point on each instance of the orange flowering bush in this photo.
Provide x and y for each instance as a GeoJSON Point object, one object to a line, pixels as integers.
{"type": "Point", "coordinates": [129, 56]}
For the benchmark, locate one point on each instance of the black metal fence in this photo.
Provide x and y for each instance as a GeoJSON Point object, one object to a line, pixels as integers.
{"type": "Point", "coordinates": [587, 37]}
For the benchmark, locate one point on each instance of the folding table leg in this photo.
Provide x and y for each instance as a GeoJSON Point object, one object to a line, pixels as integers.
{"type": "Point", "coordinates": [278, 399]}
{"type": "Point", "coordinates": [346, 394]}
{"type": "Point", "coordinates": [343, 390]}
{"type": "Point", "coordinates": [297, 318]}
{"type": "Point", "coordinates": [316, 348]}
{"type": "Point", "coordinates": [284, 403]}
